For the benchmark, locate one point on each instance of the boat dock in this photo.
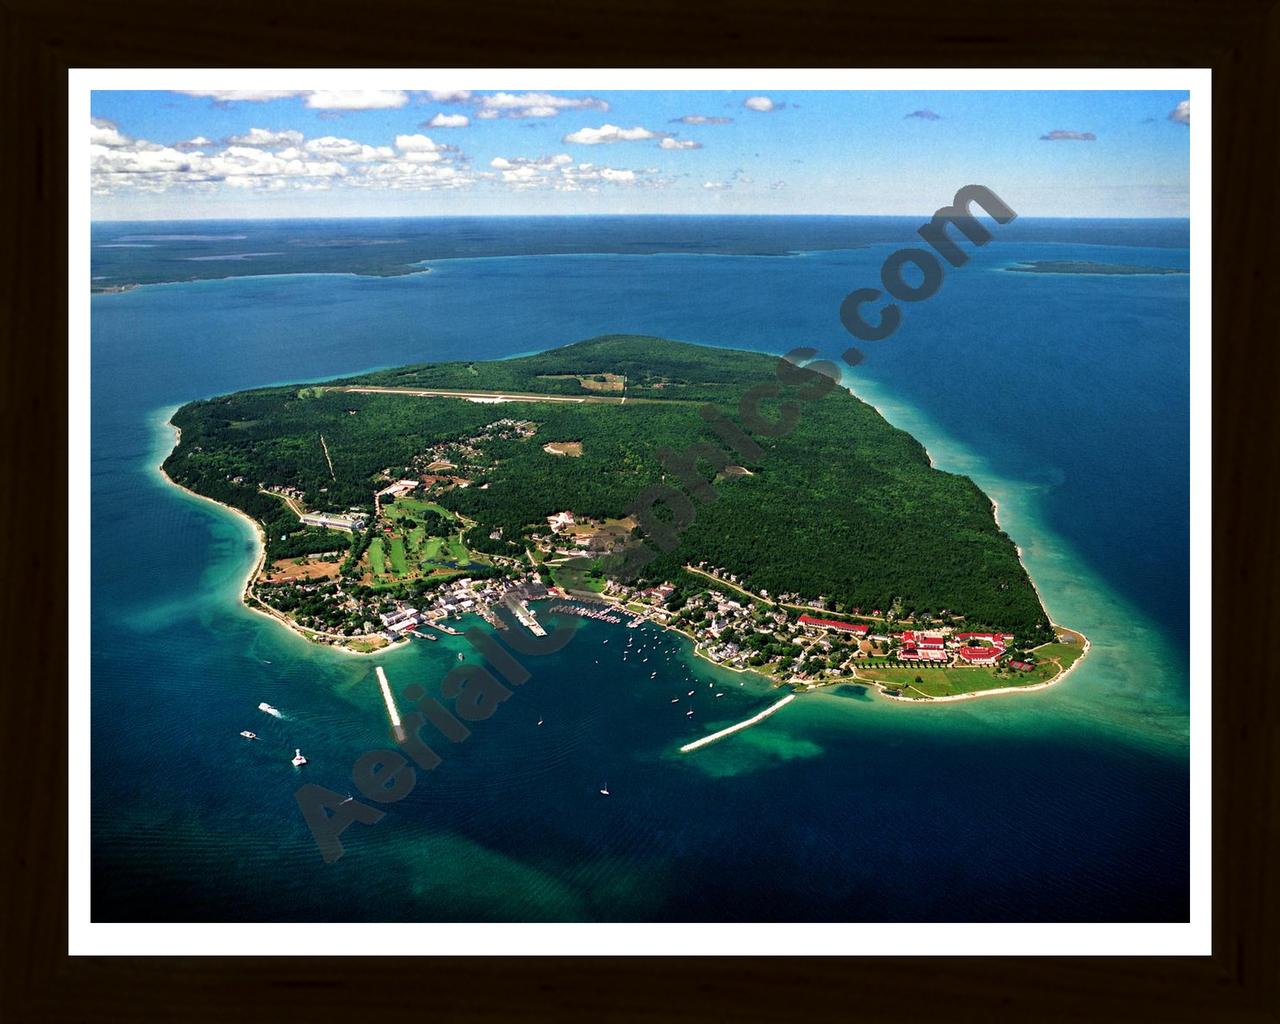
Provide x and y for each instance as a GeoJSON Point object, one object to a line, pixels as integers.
{"type": "Point", "coordinates": [521, 611]}
{"type": "Point", "coordinates": [397, 729]}
{"type": "Point", "coordinates": [601, 613]}
{"type": "Point", "coordinates": [746, 724]}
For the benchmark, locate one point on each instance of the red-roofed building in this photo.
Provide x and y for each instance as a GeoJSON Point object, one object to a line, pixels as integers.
{"type": "Point", "coordinates": [981, 655]}
{"type": "Point", "coordinates": [923, 654]}
{"type": "Point", "coordinates": [847, 627]}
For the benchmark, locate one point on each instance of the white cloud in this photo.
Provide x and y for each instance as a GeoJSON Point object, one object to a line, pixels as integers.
{"type": "Point", "coordinates": [1181, 113]}
{"type": "Point", "coordinates": [277, 161]}
{"type": "Point", "coordinates": [366, 99]}
{"type": "Point", "coordinates": [560, 174]}
{"type": "Point", "coordinates": [450, 95]}
{"type": "Point", "coordinates": [609, 133]}
{"type": "Point", "coordinates": [242, 95]}
{"type": "Point", "coordinates": [448, 121]}
{"type": "Point", "coordinates": [761, 104]}
{"type": "Point", "coordinates": [1060, 135]}
{"type": "Point", "coordinates": [715, 186]}
{"type": "Point", "coordinates": [416, 144]}
{"type": "Point", "coordinates": [346, 149]}
{"type": "Point", "coordinates": [105, 133]}
{"type": "Point", "coordinates": [263, 137]}
{"type": "Point", "coordinates": [533, 104]}
{"type": "Point", "coordinates": [502, 163]}
{"type": "Point", "coordinates": [701, 119]}
{"type": "Point", "coordinates": [670, 143]}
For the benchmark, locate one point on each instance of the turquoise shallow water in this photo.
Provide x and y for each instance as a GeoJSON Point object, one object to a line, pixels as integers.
{"type": "Point", "coordinates": [1065, 398]}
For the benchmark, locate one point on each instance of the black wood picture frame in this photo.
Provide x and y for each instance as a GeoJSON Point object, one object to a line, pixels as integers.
{"type": "Point", "coordinates": [41, 39]}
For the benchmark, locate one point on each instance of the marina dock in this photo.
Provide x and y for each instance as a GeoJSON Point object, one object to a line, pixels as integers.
{"type": "Point", "coordinates": [521, 611]}
{"type": "Point", "coordinates": [746, 724]}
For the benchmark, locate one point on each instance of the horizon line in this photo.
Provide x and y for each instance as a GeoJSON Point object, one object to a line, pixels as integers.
{"type": "Point", "coordinates": [586, 216]}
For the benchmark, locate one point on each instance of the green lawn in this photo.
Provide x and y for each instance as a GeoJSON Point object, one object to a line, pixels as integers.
{"type": "Point", "coordinates": [402, 507]}
{"type": "Point", "coordinates": [377, 557]}
{"type": "Point", "coordinates": [417, 536]}
{"type": "Point", "coordinates": [947, 682]}
{"type": "Point", "coordinates": [432, 551]}
{"type": "Point", "coordinates": [1065, 653]}
{"type": "Point", "coordinates": [398, 562]}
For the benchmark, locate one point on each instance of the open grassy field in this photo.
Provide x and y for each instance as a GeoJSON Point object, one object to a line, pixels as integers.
{"type": "Point", "coordinates": [397, 556]}
{"type": "Point", "coordinates": [377, 557]}
{"type": "Point", "coordinates": [1052, 659]}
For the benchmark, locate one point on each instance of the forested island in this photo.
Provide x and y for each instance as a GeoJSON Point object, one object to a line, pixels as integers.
{"type": "Point", "coordinates": [829, 550]}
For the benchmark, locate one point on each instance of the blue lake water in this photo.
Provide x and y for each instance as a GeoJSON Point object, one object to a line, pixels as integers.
{"type": "Point", "coordinates": [1065, 397]}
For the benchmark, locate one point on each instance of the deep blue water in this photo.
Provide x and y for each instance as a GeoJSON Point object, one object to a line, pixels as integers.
{"type": "Point", "coordinates": [1070, 804]}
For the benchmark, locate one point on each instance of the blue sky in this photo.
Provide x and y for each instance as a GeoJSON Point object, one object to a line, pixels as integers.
{"type": "Point", "coordinates": [394, 153]}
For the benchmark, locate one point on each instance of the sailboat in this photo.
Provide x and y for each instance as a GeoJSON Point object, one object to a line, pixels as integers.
{"type": "Point", "coordinates": [605, 790]}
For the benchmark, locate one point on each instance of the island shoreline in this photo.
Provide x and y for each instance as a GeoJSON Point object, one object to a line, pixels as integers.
{"type": "Point", "coordinates": [799, 686]}
{"type": "Point", "coordinates": [256, 570]}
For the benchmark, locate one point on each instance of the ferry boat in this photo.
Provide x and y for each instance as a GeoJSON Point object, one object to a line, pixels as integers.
{"type": "Point", "coordinates": [248, 735]}
{"type": "Point", "coordinates": [264, 706]}
{"type": "Point", "coordinates": [298, 759]}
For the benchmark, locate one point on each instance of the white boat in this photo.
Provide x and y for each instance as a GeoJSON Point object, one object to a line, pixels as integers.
{"type": "Point", "coordinates": [248, 735]}
{"type": "Point", "coordinates": [690, 693]}
{"type": "Point", "coordinates": [539, 721]}
{"type": "Point", "coordinates": [605, 791]}
{"type": "Point", "coordinates": [689, 713]}
{"type": "Point", "coordinates": [264, 706]}
{"type": "Point", "coordinates": [461, 656]}
{"type": "Point", "coordinates": [675, 700]}
{"type": "Point", "coordinates": [298, 759]}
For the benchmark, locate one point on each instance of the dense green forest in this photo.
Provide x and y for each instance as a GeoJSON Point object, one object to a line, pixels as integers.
{"type": "Point", "coordinates": [842, 506]}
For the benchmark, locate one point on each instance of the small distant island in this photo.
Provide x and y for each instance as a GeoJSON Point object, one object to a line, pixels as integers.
{"type": "Point", "coordinates": [394, 502]}
{"type": "Point", "coordinates": [1088, 267]}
